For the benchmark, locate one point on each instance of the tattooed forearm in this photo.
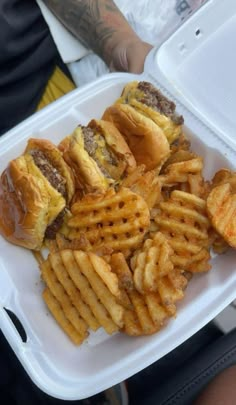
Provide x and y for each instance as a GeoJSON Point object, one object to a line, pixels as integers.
{"type": "Point", "coordinates": [96, 23]}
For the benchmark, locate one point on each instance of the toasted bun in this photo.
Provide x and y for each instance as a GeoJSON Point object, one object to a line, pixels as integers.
{"type": "Point", "coordinates": [28, 203]}
{"type": "Point", "coordinates": [146, 140]}
{"type": "Point", "coordinates": [55, 156]}
{"type": "Point", "coordinates": [111, 157]}
{"type": "Point", "coordinates": [133, 96]}
{"type": "Point", "coordinates": [87, 174]}
{"type": "Point", "coordinates": [125, 161]}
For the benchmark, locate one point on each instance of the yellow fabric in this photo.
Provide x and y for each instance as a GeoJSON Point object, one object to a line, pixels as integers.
{"type": "Point", "coordinates": [58, 85]}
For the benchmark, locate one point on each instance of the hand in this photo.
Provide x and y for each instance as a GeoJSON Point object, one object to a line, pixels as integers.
{"type": "Point", "coordinates": [100, 26]}
{"type": "Point", "coordinates": [129, 55]}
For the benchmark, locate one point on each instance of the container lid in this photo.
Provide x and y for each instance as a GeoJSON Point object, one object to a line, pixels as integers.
{"type": "Point", "coordinates": [197, 66]}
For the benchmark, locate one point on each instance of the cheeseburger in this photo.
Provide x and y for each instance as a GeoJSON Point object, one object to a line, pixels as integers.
{"type": "Point", "coordinates": [35, 190]}
{"type": "Point", "coordinates": [149, 101]}
{"type": "Point", "coordinates": [98, 155]}
{"type": "Point", "coordinates": [147, 120]}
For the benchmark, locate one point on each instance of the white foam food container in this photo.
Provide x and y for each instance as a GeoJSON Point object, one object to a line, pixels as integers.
{"type": "Point", "coordinates": [195, 68]}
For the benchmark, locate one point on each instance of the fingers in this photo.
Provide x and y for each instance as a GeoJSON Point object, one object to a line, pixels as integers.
{"type": "Point", "coordinates": [129, 56]}
{"type": "Point", "coordinates": [136, 55]}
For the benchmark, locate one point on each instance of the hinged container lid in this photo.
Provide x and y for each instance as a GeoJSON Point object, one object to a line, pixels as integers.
{"type": "Point", "coordinates": [197, 65]}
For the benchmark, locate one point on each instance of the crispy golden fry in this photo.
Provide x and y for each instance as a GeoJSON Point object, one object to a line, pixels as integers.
{"type": "Point", "coordinates": [220, 177]}
{"type": "Point", "coordinates": [183, 219]}
{"type": "Point", "coordinates": [197, 185]}
{"type": "Point", "coordinates": [121, 268]}
{"type": "Point", "coordinates": [138, 264]}
{"type": "Point", "coordinates": [59, 316]}
{"type": "Point", "coordinates": [180, 155]}
{"type": "Point", "coordinates": [219, 245]}
{"type": "Point", "coordinates": [170, 282]}
{"type": "Point", "coordinates": [104, 271]}
{"type": "Point", "coordinates": [151, 310]}
{"type": "Point", "coordinates": [178, 279]}
{"type": "Point", "coordinates": [80, 243]}
{"type": "Point", "coordinates": [73, 292]}
{"type": "Point", "coordinates": [51, 245]}
{"type": "Point", "coordinates": [75, 263]}
{"type": "Point", "coordinates": [221, 208]}
{"type": "Point", "coordinates": [183, 170]}
{"type": "Point", "coordinates": [179, 172]}
{"type": "Point", "coordinates": [134, 176]}
{"type": "Point", "coordinates": [151, 263]}
{"type": "Point", "coordinates": [38, 257]}
{"type": "Point", "coordinates": [156, 310]}
{"type": "Point", "coordinates": [142, 312]}
{"type": "Point", "coordinates": [169, 295]}
{"type": "Point", "coordinates": [224, 176]}
{"type": "Point", "coordinates": [132, 325]}
{"type": "Point", "coordinates": [63, 299]}
{"type": "Point", "coordinates": [147, 185]}
{"type": "Point", "coordinates": [117, 220]}
{"type": "Point", "coordinates": [148, 315]}
{"type": "Point", "coordinates": [99, 287]}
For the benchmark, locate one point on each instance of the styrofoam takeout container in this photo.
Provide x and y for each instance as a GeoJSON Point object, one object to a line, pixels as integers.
{"type": "Point", "coordinates": [195, 68]}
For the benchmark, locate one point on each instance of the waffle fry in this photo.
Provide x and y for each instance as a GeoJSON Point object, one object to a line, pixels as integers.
{"type": "Point", "coordinates": [57, 312]}
{"type": "Point", "coordinates": [120, 267]}
{"type": "Point", "coordinates": [94, 292]}
{"type": "Point", "coordinates": [179, 278]}
{"type": "Point", "coordinates": [76, 244]}
{"type": "Point", "coordinates": [224, 176]}
{"type": "Point", "coordinates": [148, 315]}
{"type": "Point", "coordinates": [61, 273]}
{"type": "Point", "coordinates": [79, 295]}
{"type": "Point", "coordinates": [221, 208]}
{"type": "Point", "coordinates": [147, 185]}
{"type": "Point", "coordinates": [183, 170]}
{"type": "Point", "coordinates": [149, 311]}
{"type": "Point", "coordinates": [132, 326]}
{"type": "Point", "coordinates": [184, 221]}
{"type": "Point", "coordinates": [218, 244]}
{"type": "Point", "coordinates": [169, 295]}
{"type": "Point", "coordinates": [152, 263]}
{"type": "Point", "coordinates": [140, 306]}
{"type": "Point", "coordinates": [170, 288]}
{"type": "Point", "coordinates": [63, 299]}
{"type": "Point", "coordinates": [117, 220]}
{"type": "Point", "coordinates": [134, 176]}
{"type": "Point", "coordinates": [178, 172]}
{"type": "Point", "coordinates": [185, 175]}
{"type": "Point", "coordinates": [179, 155]}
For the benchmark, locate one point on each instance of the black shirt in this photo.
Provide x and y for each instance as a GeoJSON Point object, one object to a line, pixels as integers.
{"type": "Point", "coordinates": [27, 59]}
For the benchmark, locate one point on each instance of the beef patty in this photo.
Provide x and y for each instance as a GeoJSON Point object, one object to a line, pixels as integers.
{"type": "Point", "coordinates": [155, 99]}
{"type": "Point", "coordinates": [57, 181]}
{"type": "Point", "coordinates": [91, 146]}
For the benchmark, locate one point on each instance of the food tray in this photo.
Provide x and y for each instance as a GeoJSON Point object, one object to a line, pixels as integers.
{"type": "Point", "coordinates": [57, 366]}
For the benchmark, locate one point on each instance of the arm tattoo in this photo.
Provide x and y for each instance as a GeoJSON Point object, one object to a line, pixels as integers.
{"type": "Point", "coordinates": [93, 22]}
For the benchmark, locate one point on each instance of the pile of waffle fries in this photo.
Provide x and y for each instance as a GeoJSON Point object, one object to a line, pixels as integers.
{"type": "Point", "coordinates": [123, 259]}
